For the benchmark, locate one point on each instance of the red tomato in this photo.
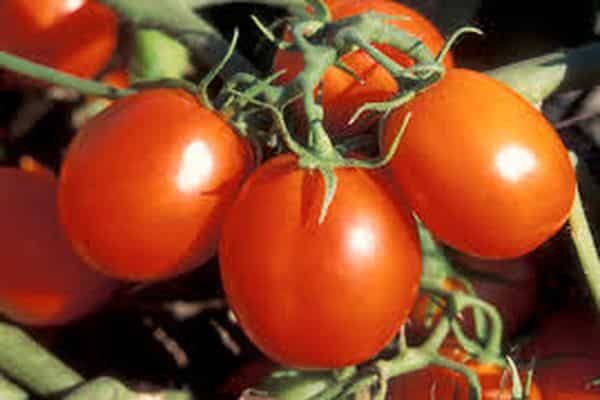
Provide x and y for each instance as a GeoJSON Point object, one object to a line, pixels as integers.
{"type": "Point", "coordinates": [568, 378]}
{"type": "Point", "coordinates": [145, 184]}
{"type": "Point", "coordinates": [444, 384]}
{"type": "Point", "coordinates": [43, 281]}
{"type": "Point", "coordinates": [482, 168]}
{"type": "Point", "coordinates": [75, 36]}
{"type": "Point", "coordinates": [118, 78]}
{"type": "Point", "coordinates": [248, 376]}
{"type": "Point", "coordinates": [569, 332]}
{"type": "Point", "coordinates": [511, 286]}
{"type": "Point", "coordinates": [342, 93]}
{"type": "Point", "coordinates": [316, 295]}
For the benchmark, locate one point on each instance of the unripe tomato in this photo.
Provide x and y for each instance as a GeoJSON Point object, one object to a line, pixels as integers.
{"type": "Point", "coordinates": [43, 281]}
{"type": "Point", "coordinates": [510, 285]}
{"type": "Point", "coordinates": [342, 94]}
{"type": "Point", "coordinates": [568, 378]}
{"type": "Point", "coordinates": [482, 168]}
{"type": "Point", "coordinates": [316, 295]}
{"type": "Point", "coordinates": [444, 384]}
{"type": "Point", "coordinates": [145, 184]}
{"type": "Point", "coordinates": [74, 36]}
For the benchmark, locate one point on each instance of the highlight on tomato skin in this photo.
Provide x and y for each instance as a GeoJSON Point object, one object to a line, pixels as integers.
{"type": "Point", "coordinates": [43, 281]}
{"type": "Point", "coordinates": [342, 94]}
{"type": "Point", "coordinates": [74, 36]}
{"type": "Point", "coordinates": [496, 186]}
{"type": "Point", "coordinates": [145, 185]}
{"type": "Point", "coordinates": [313, 295]}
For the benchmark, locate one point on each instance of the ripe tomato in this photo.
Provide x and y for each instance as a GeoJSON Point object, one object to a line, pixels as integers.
{"type": "Point", "coordinates": [569, 332]}
{"type": "Point", "coordinates": [568, 378]}
{"type": "Point", "coordinates": [316, 295]}
{"type": "Point", "coordinates": [248, 376]}
{"type": "Point", "coordinates": [510, 285]}
{"type": "Point", "coordinates": [145, 184]}
{"type": "Point", "coordinates": [483, 169]}
{"type": "Point", "coordinates": [75, 36]}
{"type": "Point", "coordinates": [441, 383]}
{"type": "Point", "coordinates": [342, 94]}
{"type": "Point", "coordinates": [92, 105]}
{"type": "Point", "coordinates": [43, 281]}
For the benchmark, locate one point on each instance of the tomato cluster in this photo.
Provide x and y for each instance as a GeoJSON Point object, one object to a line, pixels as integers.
{"type": "Point", "coordinates": [318, 274]}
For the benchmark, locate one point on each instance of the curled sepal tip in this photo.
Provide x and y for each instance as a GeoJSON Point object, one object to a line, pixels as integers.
{"type": "Point", "coordinates": [517, 387]}
{"type": "Point", "coordinates": [383, 106]}
{"type": "Point", "coordinates": [212, 74]}
{"type": "Point", "coordinates": [330, 182]}
{"type": "Point", "coordinates": [382, 161]}
{"type": "Point", "coordinates": [460, 32]}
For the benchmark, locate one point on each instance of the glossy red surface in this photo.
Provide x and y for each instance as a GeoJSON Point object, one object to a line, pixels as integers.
{"type": "Point", "coordinates": [74, 36]}
{"type": "Point", "coordinates": [482, 168]}
{"type": "Point", "coordinates": [145, 185]}
{"type": "Point", "coordinates": [318, 295]}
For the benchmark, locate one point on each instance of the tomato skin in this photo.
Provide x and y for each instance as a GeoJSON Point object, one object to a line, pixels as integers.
{"type": "Point", "coordinates": [510, 285]}
{"type": "Point", "coordinates": [248, 376]}
{"type": "Point", "coordinates": [145, 185]}
{"type": "Point", "coordinates": [569, 332]}
{"type": "Point", "coordinates": [441, 383]}
{"type": "Point", "coordinates": [568, 378]}
{"type": "Point", "coordinates": [342, 94]}
{"type": "Point", "coordinates": [43, 281]}
{"type": "Point", "coordinates": [485, 172]}
{"type": "Point", "coordinates": [318, 296]}
{"type": "Point", "coordinates": [77, 37]}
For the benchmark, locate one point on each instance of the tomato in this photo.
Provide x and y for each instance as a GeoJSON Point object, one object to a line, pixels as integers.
{"type": "Point", "coordinates": [441, 383]}
{"type": "Point", "coordinates": [316, 295]}
{"type": "Point", "coordinates": [43, 282]}
{"type": "Point", "coordinates": [145, 185]}
{"type": "Point", "coordinates": [568, 332]}
{"type": "Point", "coordinates": [483, 169]}
{"type": "Point", "coordinates": [75, 36]}
{"type": "Point", "coordinates": [249, 375]}
{"type": "Point", "coordinates": [342, 94]}
{"type": "Point", "coordinates": [568, 378]}
{"type": "Point", "coordinates": [118, 78]}
{"type": "Point", "coordinates": [510, 285]}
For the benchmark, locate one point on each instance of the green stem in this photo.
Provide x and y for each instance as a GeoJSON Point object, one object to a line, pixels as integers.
{"type": "Point", "coordinates": [469, 374]}
{"type": "Point", "coordinates": [38, 71]}
{"type": "Point", "coordinates": [178, 18]}
{"type": "Point", "coordinates": [585, 247]}
{"type": "Point", "coordinates": [199, 4]}
{"type": "Point", "coordinates": [111, 389]}
{"type": "Point", "coordinates": [26, 362]}
{"type": "Point", "coordinates": [10, 391]}
{"type": "Point", "coordinates": [537, 78]}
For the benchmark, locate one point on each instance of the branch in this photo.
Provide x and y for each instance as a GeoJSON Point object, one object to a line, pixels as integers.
{"type": "Point", "coordinates": [55, 77]}
{"type": "Point", "coordinates": [28, 363]}
{"type": "Point", "coordinates": [585, 246]}
{"type": "Point", "coordinates": [199, 4]}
